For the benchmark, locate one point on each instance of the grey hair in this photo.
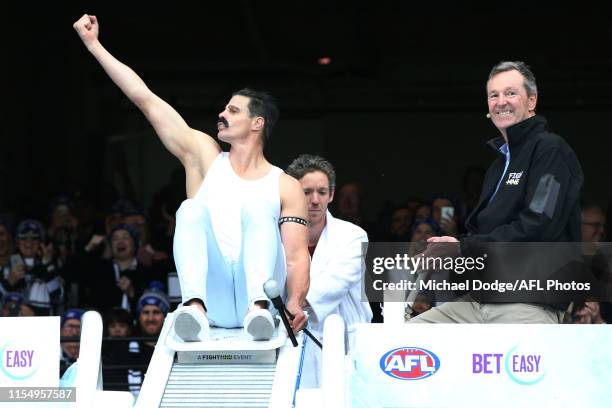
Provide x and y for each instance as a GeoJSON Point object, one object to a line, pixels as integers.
{"type": "Point", "coordinates": [529, 83]}
{"type": "Point", "coordinates": [307, 163]}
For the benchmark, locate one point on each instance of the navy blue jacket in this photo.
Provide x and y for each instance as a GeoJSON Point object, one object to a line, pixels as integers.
{"type": "Point", "coordinates": [539, 198]}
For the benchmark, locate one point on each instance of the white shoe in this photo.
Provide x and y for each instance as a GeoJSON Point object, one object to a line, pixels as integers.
{"type": "Point", "coordinates": [259, 324]}
{"type": "Point", "coordinates": [190, 324]}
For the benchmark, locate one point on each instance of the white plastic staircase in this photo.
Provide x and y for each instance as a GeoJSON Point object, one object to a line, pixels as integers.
{"type": "Point", "coordinates": [228, 370]}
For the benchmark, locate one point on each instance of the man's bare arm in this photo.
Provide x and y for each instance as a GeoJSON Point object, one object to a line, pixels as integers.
{"type": "Point", "coordinates": [295, 242]}
{"type": "Point", "coordinates": [183, 142]}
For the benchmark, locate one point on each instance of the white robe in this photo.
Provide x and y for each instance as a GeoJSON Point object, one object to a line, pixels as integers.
{"type": "Point", "coordinates": [335, 287]}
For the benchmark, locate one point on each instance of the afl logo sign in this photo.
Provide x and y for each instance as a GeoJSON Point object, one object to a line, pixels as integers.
{"type": "Point", "coordinates": [409, 363]}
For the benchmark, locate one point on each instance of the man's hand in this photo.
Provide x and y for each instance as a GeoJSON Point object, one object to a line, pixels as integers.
{"type": "Point", "coordinates": [125, 284]}
{"type": "Point", "coordinates": [17, 273]}
{"type": "Point", "coordinates": [442, 239]}
{"type": "Point", "coordinates": [299, 320]}
{"type": "Point", "coordinates": [449, 247]}
{"type": "Point", "coordinates": [87, 27]}
{"type": "Point", "coordinates": [94, 242]}
{"type": "Point", "coordinates": [593, 310]}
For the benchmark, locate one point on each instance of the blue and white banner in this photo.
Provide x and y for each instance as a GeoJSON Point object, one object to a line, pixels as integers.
{"type": "Point", "coordinates": [509, 365]}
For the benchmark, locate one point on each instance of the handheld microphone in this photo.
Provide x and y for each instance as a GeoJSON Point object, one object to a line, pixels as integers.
{"type": "Point", "coordinates": [272, 291]}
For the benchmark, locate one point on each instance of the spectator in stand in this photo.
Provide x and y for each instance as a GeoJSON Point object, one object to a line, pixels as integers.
{"type": "Point", "coordinates": [14, 305]}
{"type": "Point", "coordinates": [593, 227]}
{"type": "Point", "coordinates": [120, 281]}
{"type": "Point", "coordinates": [33, 273]}
{"type": "Point", "coordinates": [152, 308]}
{"type": "Point", "coordinates": [447, 224]}
{"type": "Point", "coordinates": [114, 217]}
{"type": "Point", "coordinates": [71, 327]}
{"type": "Point", "coordinates": [587, 313]}
{"type": "Point", "coordinates": [61, 217]}
{"type": "Point", "coordinates": [119, 323]}
{"type": "Point", "coordinates": [62, 230]}
{"type": "Point", "coordinates": [423, 211]}
{"type": "Point", "coordinates": [147, 255]}
{"type": "Point", "coordinates": [401, 224]}
{"type": "Point", "coordinates": [423, 229]}
{"type": "Point", "coordinates": [593, 232]}
{"type": "Point", "coordinates": [351, 206]}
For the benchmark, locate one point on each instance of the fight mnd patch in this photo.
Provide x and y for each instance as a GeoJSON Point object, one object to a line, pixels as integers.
{"type": "Point", "coordinates": [545, 197]}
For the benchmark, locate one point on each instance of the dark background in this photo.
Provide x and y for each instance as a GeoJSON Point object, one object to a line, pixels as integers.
{"type": "Point", "coordinates": [400, 109]}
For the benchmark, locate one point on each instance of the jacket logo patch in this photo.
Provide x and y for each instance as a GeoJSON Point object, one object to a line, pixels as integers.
{"type": "Point", "coordinates": [514, 179]}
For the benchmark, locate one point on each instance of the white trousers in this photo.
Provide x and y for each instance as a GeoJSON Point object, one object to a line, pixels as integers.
{"type": "Point", "coordinates": [227, 287]}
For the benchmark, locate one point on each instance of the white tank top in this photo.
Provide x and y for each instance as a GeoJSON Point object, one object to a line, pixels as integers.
{"type": "Point", "coordinates": [225, 194]}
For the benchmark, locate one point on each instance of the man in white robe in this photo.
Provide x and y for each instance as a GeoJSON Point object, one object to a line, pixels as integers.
{"type": "Point", "coordinates": [336, 266]}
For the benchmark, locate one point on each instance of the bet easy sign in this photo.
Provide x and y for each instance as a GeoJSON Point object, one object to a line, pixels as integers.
{"type": "Point", "coordinates": [29, 351]}
{"type": "Point", "coordinates": [520, 366]}
{"type": "Point", "coordinates": [15, 358]}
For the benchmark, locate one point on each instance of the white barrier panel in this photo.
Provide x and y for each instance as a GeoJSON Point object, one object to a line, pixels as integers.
{"type": "Point", "coordinates": [29, 351]}
{"type": "Point", "coordinates": [511, 365]}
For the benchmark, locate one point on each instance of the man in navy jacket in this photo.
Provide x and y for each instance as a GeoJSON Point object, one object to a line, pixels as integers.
{"type": "Point", "coordinates": [531, 193]}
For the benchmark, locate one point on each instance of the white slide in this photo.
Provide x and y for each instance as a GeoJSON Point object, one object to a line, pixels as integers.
{"type": "Point", "coordinates": [228, 370]}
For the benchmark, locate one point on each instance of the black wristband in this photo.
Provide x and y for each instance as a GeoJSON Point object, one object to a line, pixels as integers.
{"type": "Point", "coordinates": [298, 220]}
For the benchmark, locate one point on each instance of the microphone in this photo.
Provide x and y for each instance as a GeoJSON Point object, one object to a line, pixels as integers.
{"type": "Point", "coordinates": [489, 115]}
{"type": "Point", "coordinates": [272, 291]}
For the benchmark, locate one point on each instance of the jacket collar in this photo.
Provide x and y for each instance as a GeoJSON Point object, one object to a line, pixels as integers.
{"type": "Point", "coordinates": [519, 132]}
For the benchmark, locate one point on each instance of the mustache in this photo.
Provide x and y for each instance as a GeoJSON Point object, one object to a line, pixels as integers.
{"type": "Point", "coordinates": [223, 121]}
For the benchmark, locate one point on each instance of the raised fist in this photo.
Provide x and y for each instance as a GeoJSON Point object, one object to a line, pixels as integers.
{"type": "Point", "coordinates": [87, 27]}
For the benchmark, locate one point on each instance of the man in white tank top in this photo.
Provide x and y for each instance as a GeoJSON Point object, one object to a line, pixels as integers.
{"type": "Point", "coordinates": [227, 240]}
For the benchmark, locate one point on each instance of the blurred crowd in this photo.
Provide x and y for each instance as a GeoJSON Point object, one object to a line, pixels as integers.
{"type": "Point", "coordinates": [116, 258]}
